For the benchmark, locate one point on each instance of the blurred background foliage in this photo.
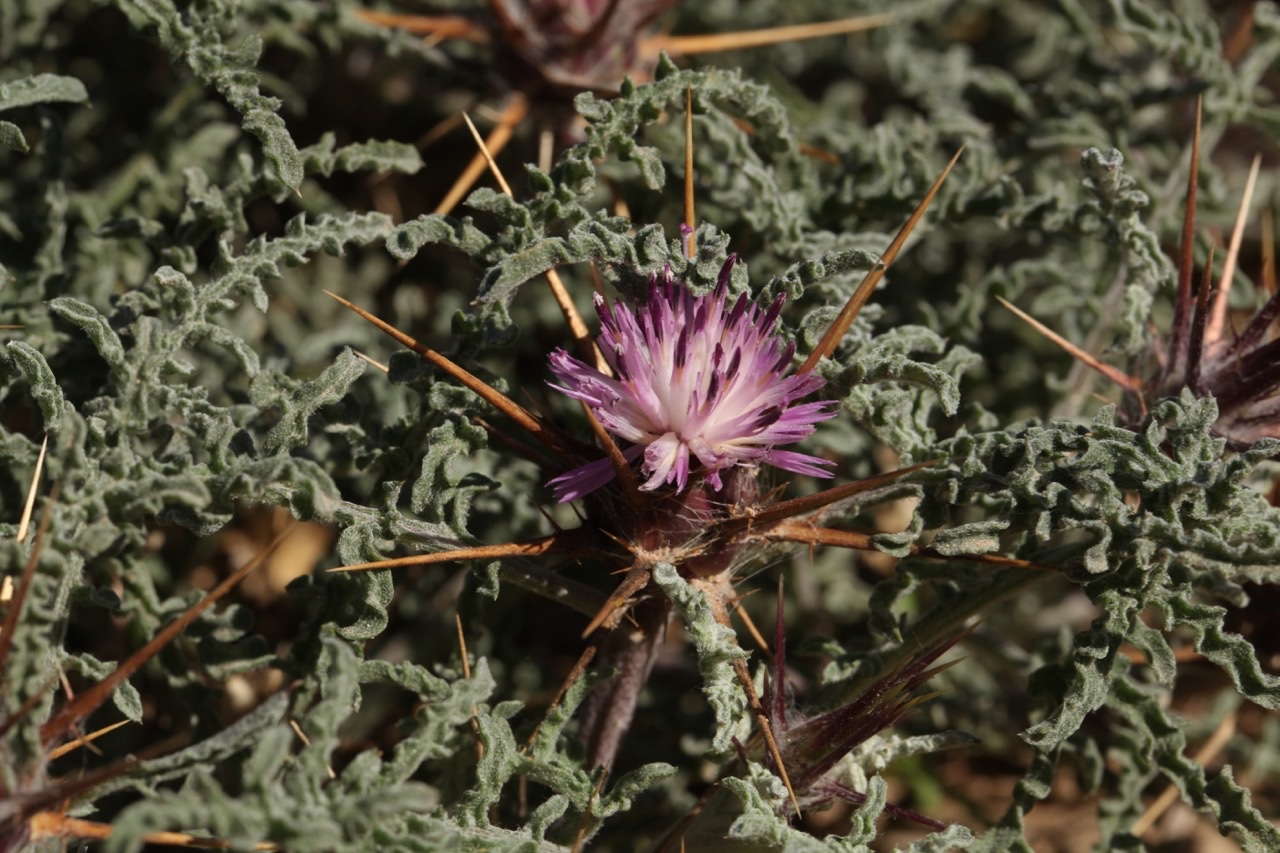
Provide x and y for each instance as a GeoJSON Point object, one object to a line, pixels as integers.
{"type": "Point", "coordinates": [180, 183]}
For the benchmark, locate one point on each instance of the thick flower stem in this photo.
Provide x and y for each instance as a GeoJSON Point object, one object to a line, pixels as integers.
{"type": "Point", "coordinates": [632, 650]}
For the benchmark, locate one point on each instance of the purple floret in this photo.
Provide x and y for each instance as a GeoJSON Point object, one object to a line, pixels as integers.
{"type": "Point", "coordinates": [696, 389]}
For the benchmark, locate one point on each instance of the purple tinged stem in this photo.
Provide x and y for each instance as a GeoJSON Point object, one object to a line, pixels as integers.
{"type": "Point", "coordinates": [1258, 326]}
{"type": "Point", "coordinates": [1195, 350]}
{"type": "Point", "coordinates": [779, 686]}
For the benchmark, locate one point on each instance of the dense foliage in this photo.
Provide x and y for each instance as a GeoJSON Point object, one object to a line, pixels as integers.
{"type": "Point", "coordinates": [182, 181]}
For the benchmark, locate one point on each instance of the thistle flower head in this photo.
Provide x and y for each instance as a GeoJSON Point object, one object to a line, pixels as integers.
{"type": "Point", "coordinates": [698, 387]}
{"type": "Point", "coordinates": [561, 47]}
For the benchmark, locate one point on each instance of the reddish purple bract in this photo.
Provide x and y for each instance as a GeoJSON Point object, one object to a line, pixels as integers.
{"type": "Point", "coordinates": [698, 387]}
